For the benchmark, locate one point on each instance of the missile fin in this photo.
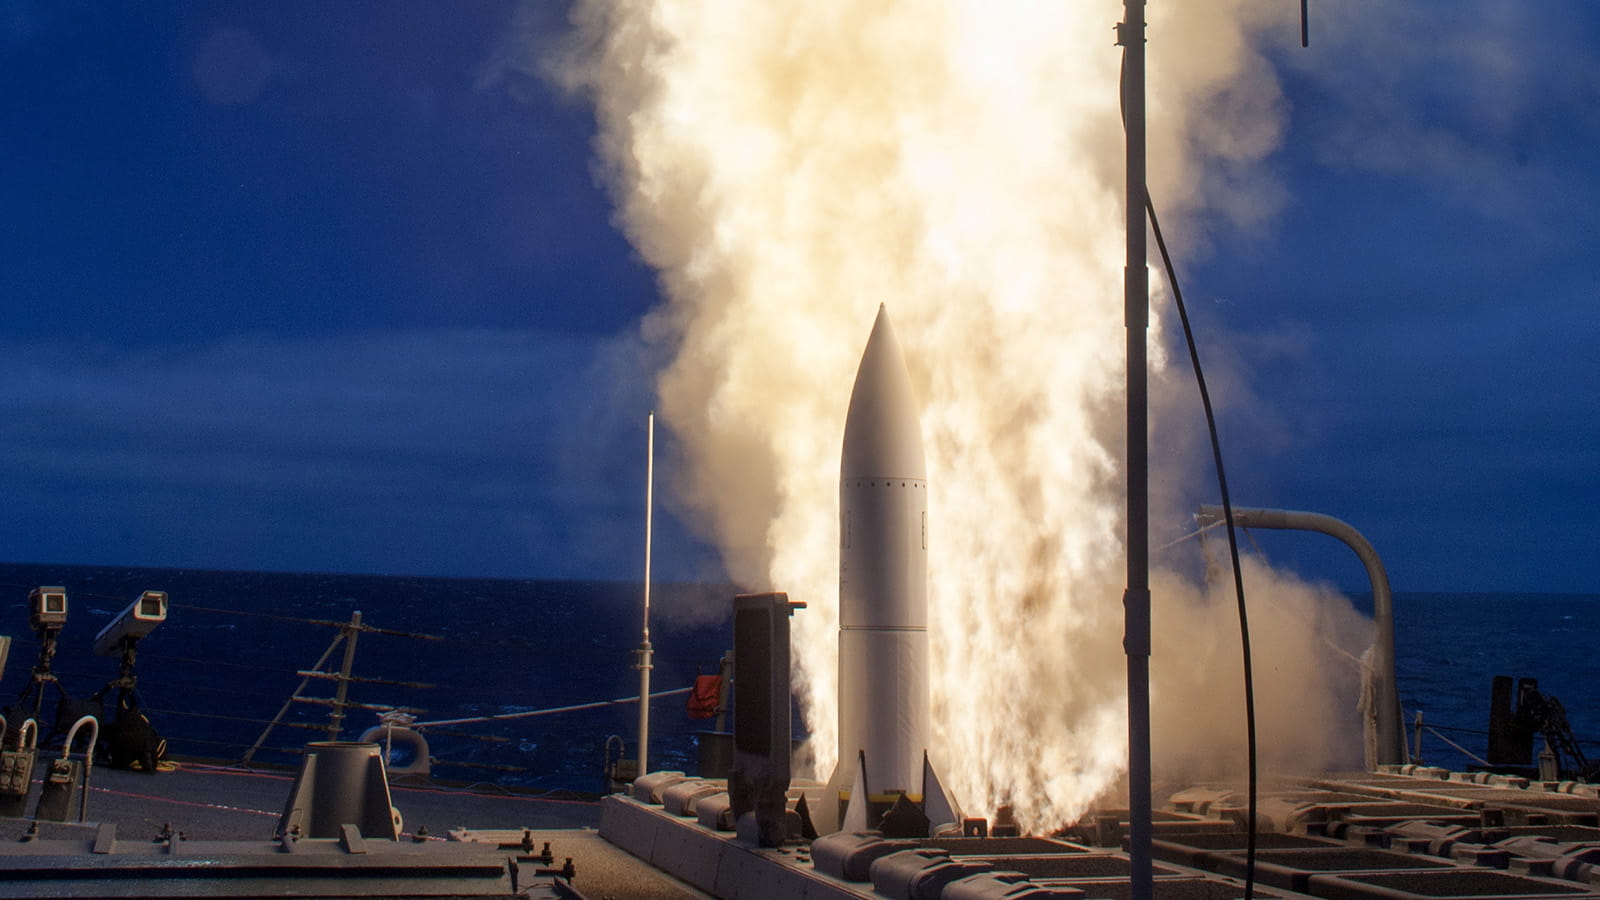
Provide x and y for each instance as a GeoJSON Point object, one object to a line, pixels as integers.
{"type": "Point", "coordinates": [937, 803]}
{"type": "Point", "coordinates": [855, 815]}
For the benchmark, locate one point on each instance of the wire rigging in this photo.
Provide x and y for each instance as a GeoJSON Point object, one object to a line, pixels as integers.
{"type": "Point", "coordinates": [545, 712]}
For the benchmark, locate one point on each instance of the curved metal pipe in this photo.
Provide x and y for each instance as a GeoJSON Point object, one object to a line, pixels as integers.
{"type": "Point", "coordinates": [28, 734]}
{"type": "Point", "coordinates": [88, 759]}
{"type": "Point", "coordinates": [1390, 739]}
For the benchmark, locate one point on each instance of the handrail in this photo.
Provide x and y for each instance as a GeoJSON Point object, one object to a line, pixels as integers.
{"type": "Point", "coordinates": [1387, 732]}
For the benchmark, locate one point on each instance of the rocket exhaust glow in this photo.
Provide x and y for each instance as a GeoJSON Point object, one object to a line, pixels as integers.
{"type": "Point", "coordinates": [964, 159]}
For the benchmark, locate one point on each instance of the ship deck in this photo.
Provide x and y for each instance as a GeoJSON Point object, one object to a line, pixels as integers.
{"type": "Point", "coordinates": [1407, 833]}
{"type": "Point", "coordinates": [1401, 834]}
{"type": "Point", "coordinates": [206, 814]}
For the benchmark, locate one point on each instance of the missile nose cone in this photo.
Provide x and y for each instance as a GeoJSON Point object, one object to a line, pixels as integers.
{"type": "Point", "coordinates": [882, 437]}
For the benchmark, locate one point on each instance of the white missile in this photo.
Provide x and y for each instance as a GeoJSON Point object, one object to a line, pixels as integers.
{"type": "Point", "coordinates": [883, 589]}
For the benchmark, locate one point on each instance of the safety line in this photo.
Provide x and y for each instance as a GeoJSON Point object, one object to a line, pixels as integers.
{"type": "Point", "coordinates": [153, 798]}
{"type": "Point", "coordinates": [545, 712]}
{"type": "Point", "coordinates": [1468, 753]}
{"type": "Point", "coordinates": [1190, 536]}
{"type": "Point", "coordinates": [484, 795]}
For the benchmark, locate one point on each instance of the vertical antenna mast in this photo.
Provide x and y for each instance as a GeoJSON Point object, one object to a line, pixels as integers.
{"type": "Point", "coordinates": [644, 651]}
{"type": "Point", "coordinates": [1136, 599]}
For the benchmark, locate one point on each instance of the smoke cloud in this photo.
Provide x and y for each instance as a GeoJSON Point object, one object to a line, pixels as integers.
{"type": "Point", "coordinates": [787, 168]}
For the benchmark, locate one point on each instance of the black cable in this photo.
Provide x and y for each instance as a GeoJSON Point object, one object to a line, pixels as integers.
{"type": "Point", "coordinates": [1233, 549]}
{"type": "Point", "coordinates": [1251, 811]}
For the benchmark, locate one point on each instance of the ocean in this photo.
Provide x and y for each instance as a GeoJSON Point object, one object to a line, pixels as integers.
{"type": "Point", "coordinates": [224, 664]}
{"type": "Point", "coordinates": [226, 661]}
{"type": "Point", "coordinates": [1449, 647]}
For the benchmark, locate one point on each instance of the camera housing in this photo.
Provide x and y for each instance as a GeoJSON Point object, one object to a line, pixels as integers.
{"type": "Point", "coordinates": [139, 619]}
{"type": "Point", "coordinates": [47, 608]}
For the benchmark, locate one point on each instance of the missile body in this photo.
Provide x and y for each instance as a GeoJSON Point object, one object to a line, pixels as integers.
{"type": "Point", "coordinates": [883, 581]}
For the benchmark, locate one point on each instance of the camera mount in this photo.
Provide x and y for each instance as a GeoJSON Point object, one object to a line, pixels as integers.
{"type": "Point", "coordinates": [122, 637]}
{"type": "Point", "coordinates": [47, 615]}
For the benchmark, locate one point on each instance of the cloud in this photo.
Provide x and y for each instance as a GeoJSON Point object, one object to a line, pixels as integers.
{"type": "Point", "coordinates": [356, 391]}
{"type": "Point", "coordinates": [517, 63]}
{"type": "Point", "coordinates": [1451, 98]}
{"type": "Point", "coordinates": [466, 452]}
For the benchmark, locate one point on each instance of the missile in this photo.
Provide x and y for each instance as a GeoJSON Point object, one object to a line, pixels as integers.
{"type": "Point", "coordinates": [883, 594]}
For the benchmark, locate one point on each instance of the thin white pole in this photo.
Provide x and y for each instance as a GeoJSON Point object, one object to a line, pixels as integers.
{"type": "Point", "coordinates": [644, 646]}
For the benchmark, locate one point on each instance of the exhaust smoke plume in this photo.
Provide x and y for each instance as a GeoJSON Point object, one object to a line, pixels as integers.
{"type": "Point", "coordinates": [786, 168]}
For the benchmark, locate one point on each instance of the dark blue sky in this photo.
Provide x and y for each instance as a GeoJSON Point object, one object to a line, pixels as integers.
{"type": "Point", "coordinates": [320, 286]}
{"type": "Point", "coordinates": [308, 286]}
{"type": "Point", "coordinates": [1435, 294]}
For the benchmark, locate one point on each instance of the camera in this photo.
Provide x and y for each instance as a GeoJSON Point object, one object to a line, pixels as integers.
{"type": "Point", "coordinates": [47, 608]}
{"type": "Point", "coordinates": [138, 620]}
